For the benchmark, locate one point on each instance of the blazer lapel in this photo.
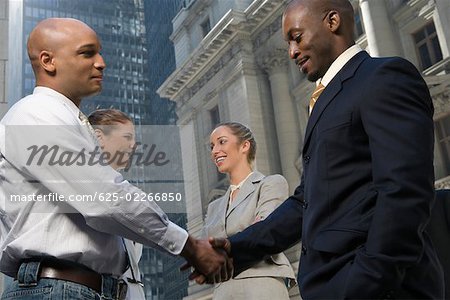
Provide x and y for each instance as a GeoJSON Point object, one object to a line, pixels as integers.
{"type": "Point", "coordinates": [246, 190]}
{"type": "Point", "coordinates": [330, 92]}
{"type": "Point", "coordinates": [224, 206]}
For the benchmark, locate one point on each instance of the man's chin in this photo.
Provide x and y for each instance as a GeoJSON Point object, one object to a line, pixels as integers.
{"type": "Point", "coordinates": [312, 76]}
{"type": "Point", "coordinates": [94, 91]}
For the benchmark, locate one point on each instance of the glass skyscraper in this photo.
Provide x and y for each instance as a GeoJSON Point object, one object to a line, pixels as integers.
{"type": "Point", "coordinates": [161, 55]}
{"type": "Point", "coordinates": [161, 271]}
{"type": "Point", "coordinates": [120, 26]}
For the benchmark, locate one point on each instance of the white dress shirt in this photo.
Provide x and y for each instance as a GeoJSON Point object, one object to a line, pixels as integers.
{"type": "Point", "coordinates": [338, 64]}
{"type": "Point", "coordinates": [86, 232]}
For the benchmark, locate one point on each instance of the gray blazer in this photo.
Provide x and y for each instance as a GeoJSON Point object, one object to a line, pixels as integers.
{"type": "Point", "coordinates": [257, 198]}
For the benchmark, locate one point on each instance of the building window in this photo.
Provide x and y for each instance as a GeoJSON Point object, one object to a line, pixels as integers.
{"type": "Point", "coordinates": [359, 28]}
{"type": "Point", "coordinates": [206, 27]}
{"type": "Point", "coordinates": [442, 127]}
{"type": "Point", "coordinates": [427, 46]}
{"type": "Point", "coordinates": [214, 116]}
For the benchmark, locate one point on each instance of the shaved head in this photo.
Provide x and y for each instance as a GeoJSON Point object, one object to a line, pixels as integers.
{"type": "Point", "coordinates": [343, 7]}
{"type": "Point", "coordinates": [50, 35]}
{"type": "Point", "coordinates": [65, 55]}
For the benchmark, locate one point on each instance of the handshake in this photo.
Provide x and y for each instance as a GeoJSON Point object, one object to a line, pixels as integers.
{"type": "Point", "coordinates": [210, 258]}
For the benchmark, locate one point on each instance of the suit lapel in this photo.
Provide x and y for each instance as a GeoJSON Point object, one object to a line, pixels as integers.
{"type": "Point", "coordinates": [330, 92]}
{"type": "Point", "coordinates": [247, 189]}
{"type": "Point", "coordinates": [224, 206]}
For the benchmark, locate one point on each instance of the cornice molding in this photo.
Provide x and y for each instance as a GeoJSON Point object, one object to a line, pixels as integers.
{"type": "Point", "coordinates": [414, 10]}
{"type": "Point", "coordinates": [230, 30]}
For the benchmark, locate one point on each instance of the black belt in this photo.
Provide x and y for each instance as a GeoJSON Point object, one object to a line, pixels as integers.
{"type": "Point", "coordinates": [71, 272]}
{"type": "Point", "coordinates": [77, 273]}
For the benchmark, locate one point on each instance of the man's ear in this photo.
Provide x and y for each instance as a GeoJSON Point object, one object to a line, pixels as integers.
{"type": "Point", "coordinates": [333, 20]}
{"type": "Point", "coordinates": [46, 61]}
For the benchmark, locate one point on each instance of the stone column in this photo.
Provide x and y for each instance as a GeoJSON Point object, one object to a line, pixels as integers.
{"type": "Point", "coordinates": [193, 195]}
{"type": "Point", "coordinates": [441, 18]}
{"type": "Point", "coordinates": [16, 47]}
{"type": "Point", "coordinates": [3, 59]}
{"type": "Point", "coordinates": [286, 119]}
{"type": "Point", "coordinates": [380, 34]}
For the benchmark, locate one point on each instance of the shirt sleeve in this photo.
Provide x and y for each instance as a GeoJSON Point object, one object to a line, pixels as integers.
{"type": "Point", "coordinates": [63, 159]}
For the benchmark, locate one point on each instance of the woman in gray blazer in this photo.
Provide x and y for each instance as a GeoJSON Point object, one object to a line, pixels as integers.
{"type": "Point", "coordinates": [250, 198]}
{"type": "Point", "coordinates": [116, 135]}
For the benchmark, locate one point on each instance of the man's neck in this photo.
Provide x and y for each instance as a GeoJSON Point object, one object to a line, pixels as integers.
{"type": "Point", "coordinates": [75, 101]}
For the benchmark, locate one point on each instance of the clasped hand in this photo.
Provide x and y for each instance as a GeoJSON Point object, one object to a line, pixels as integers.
{"type": "Point", "coordinates": [210, 258]}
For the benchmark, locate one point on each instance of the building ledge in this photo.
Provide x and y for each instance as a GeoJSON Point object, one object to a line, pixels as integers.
{"type": "Point", "coordinates": [438, 84]}
{"type": "Point", "coordinates": [216, 39]}
{"type": "Point", "coordinates": [440, 67]}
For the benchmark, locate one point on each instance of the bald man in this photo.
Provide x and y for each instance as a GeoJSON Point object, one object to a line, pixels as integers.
{"type": "Point", "coordinates": [53, 245]}
{"type": "Point", "coordinates": [367, 184]}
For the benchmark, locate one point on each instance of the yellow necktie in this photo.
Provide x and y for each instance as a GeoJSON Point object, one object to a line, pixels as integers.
{"type": "Point", "coordinates": [315, 95]}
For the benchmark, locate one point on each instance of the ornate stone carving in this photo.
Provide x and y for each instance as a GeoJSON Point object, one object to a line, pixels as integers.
{"type": "Point", "coordinates": [442, 103]}
{"type": "Point", "coordinates": [443, 183]}
{"type": "Point", "coordinates": [274, 61]}
{"type": "Point", "coordinates": [439, 86]}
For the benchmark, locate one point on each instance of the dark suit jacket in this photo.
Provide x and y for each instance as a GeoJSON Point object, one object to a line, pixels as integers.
{"type": "Point", "coordinates": [366, 190]}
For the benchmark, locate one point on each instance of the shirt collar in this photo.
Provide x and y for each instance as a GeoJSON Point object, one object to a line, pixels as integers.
{"type": "Point", "coordinates": [338, 64]}
{"type": "Point", "coordinates": [239, 185]}
{"type": "Point", "coordinates": [42, 90]}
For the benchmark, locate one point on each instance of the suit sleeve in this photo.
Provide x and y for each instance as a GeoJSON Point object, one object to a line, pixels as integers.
{"type": "Point", "coordinates": [281, 230]}
{"type": "Point", "coordinates": [397, 116]}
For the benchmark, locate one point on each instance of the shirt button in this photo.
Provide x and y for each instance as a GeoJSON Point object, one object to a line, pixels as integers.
{"type": "Point", "coordinates": [303, 250]}
{"type": "Point", "coordinates": [305, 204]}
{"type": "Point", "coordinates": [306, 159]}
{"type": "Point", "coordinates": [171, 247]}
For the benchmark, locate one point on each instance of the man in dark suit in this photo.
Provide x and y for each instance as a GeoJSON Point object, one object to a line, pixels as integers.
{"type": "Point", "coordinates": [367, 183]}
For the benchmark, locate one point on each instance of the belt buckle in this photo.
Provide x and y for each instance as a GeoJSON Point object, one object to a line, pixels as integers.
{"type": "Point", "coordinates": [122, 288]}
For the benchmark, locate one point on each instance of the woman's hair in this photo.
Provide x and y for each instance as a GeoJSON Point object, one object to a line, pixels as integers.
{"type": "Point", "coordinates": [243, 133]}
{"type": "Point", "coordinates": [104, 119]}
